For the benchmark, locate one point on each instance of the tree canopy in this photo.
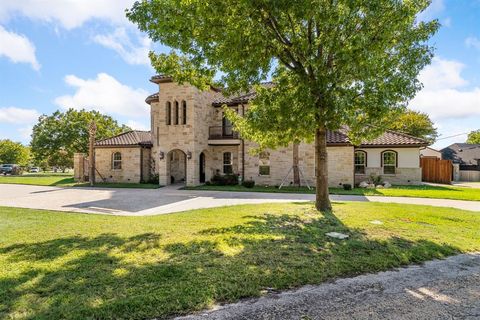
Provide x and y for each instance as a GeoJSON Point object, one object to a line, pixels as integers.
{"type": "Point", "coordinates": [58, 136]}
{"type": "Point", "coordinates": [334, 63]}
{"type": "Point", "coordinates": [474, 137]}
{"type": "Point", "coordinates": [14, 153]}
{"type": "Point", "coordinates": [415, 123]}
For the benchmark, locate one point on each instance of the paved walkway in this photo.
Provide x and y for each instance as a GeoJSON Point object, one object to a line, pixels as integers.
{"type": "Point", "coordinates": [142, 202]}
{"type": "Point", "coordinates": [440, 289]}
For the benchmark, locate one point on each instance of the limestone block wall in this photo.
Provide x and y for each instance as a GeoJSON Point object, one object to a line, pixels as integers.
{"type": "Point", "coordinates": [146, 164]}
{"type": "Point", "coordinates": [79, 170]}
{"type": "Point", "coordinates": [340, 165]}
{"type": "Point", "coordinates": [130, 171]}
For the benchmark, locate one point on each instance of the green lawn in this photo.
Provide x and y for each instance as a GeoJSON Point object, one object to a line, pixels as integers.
{"type": "Point", "coordinates": [66, 180]}
{"type": "Point", "coordinates": [56, 265]}
{"type": "Point", "coordinates": [420, 191]}
{"type": "Point", "coordinates": [41, 179]}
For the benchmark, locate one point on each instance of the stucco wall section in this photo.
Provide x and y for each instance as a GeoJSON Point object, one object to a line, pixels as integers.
{"type": "Point", "coordinates": [130, 171]}
{"type": "Point", "coordinates": [407, 172]}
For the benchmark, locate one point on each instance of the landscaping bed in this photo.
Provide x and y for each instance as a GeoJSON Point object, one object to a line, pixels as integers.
{"type": "Point", "coordinates": [80, 266]}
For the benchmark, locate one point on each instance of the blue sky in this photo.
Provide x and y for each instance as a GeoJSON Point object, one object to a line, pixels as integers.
{"type": "Point", "coordinates": [80, 53]}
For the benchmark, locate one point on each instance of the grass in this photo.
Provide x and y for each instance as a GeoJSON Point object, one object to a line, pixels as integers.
{"type": "Point", "coordinates": [41, 179]}
{"type": "Point", "coordinates": [66, 180]}
{"type": "Point", "coordinates": [57, 265]}
{"type": "Point", "coordinates": [420, 191]}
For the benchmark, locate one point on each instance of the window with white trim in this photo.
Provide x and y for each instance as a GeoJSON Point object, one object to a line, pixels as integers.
{"type": "Point", "coordinates": [389, 162]}
{"type": "Point", "coordinates": [360, 162]}
{"type": "Point", "coordinates": [264, 163]}
{"type": "Point", "coordinates": [117, 161]}
{"type": "Point", "coordinates": [227, 163]}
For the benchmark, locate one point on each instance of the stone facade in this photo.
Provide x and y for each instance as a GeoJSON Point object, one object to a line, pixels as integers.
{"type": "Point", "coordinates": [133, 165]}
{"type": "Point", "coordinates": [183, 150]}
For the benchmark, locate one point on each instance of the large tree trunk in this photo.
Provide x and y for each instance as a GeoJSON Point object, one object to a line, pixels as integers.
{"type": "Point", "coordinates": [322, 202]}
{"type": "Point", "coordinates": [296, 173]}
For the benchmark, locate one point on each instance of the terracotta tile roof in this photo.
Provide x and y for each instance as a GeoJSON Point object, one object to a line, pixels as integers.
{"type": "Point", "coordinates": [161, 78]}
{"type": "Point", "coordinates": [238, 99]}
{"type": "Point", "coordinates": [152, 98]}
{"type": "Point", "coordinates": [130, 138]}
{"type": "Point", "coordinates": [337, 137]}
{"type": "Point", "coordinates": [392, 138]}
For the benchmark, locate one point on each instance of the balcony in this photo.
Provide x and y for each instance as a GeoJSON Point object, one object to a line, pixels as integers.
{"type": "Point", "coordinates": [223, 135]}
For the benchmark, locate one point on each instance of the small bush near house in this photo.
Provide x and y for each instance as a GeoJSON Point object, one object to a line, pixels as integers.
{"type": "Point", "coordinates": [154, 179]}
{"type": "Point", "coordinates": [376, 180]}
{"type": "Point", "coordinates": [224, 180]}
{"type": "Point", "coordinates": [248, 183]}
{"type": "Point", "coordinates": [347, 186]}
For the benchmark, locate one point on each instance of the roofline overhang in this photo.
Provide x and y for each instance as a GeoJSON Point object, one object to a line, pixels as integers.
{"type": "Point", "coordinates": [391, 146]}
{"type": "Point", "coordinates": [124, 146]}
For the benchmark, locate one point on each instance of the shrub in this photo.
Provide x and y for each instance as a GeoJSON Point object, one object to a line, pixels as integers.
{"type": "Point", "coordinates": [224, 180]}
{"type": "Point", "coordinates": [376, 180]}
{"type": "Point", "coordinates": [208, 183]}
{"type": "Point", "coordinates": [347, 186]}
{"type": "Point", "coordinates": [248, 183]}
{"type": "Point", "coordinates": [154, 179]}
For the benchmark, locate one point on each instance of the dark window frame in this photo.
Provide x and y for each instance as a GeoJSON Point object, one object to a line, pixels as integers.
{"type": "Point", "coordinates": [168, 113]}
{"type": "Point", "coordinates": [184, 112]}
{"type": "Point", "coordinates": [394, 166]}
{"type": "Point", "coordinates": [177, 111]}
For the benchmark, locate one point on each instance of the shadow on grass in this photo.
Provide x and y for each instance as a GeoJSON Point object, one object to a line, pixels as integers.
{"type": "Point", "coordinates": [115, 277]}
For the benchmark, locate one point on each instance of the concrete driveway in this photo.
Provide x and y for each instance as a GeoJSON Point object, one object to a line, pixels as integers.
{"type": "Point", "coordinates": [141, 202]}
{"type": "Point", "coordinates": [441, 289]}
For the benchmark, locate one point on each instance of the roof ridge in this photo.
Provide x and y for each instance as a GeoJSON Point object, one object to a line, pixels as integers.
{"type": "Point", "coordinates": [406, 135]}
{"type": "Point", "coordinates": [117, 135]}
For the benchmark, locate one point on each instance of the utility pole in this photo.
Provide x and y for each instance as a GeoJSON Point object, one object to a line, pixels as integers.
{"type": "Point", "coordinates": [92, 130]}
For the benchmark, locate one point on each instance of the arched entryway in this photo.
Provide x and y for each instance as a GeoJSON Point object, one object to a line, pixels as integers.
{"type": "Point", "coordinates": [176, 166]}
{"type": "Point", "coordinates": [202, 167]}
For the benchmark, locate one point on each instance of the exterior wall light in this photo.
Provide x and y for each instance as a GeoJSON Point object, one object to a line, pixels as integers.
{"type": "Point", "coordinates": [161, 155]}
{"type": "Point", "coordinates": [189, 155]}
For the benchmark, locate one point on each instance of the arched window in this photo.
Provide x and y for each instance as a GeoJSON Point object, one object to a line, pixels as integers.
{"type": "Point", "coordinates": [389, 162]}
{"type": "Point", "coordinates": [184, 112]}
{"type": "Point", "coordinates": [264, 163]}
{"type": "Point", "coordinates": [117, 161]}
{"type": "Point", "coordinates": [227, 163]}
{"type": "Point", "coordinates": [360, 162]}
{"type": "Point", "coordinates": [177, 111]}
{"type": "Point", "coordinates": [168, 113]}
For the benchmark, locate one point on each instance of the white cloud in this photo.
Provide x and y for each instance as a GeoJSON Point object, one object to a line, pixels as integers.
{"type": "Point", "coordinates": [25, 132]}
{"type": "Point", "coordinates": [120, 41]}
{"type": "Point", "coordinates": [18, 115]}
{"type": "Point", "coordinates": [17, 48]}
{"type": "Point", "coordinates": [136, 125]}
{"type": "Point", "coordinates": [432, 12]}
{"type": "Point", "coordinates": [472, 42]}
{"type": "Point", "coordinates": [446, 94]}
{"type": "Point", "coordinates": [68, 13]}
{"type": "Point", "coordinates": [104, 94]}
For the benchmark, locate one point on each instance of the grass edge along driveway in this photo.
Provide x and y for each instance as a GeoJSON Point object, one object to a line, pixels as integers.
{"type": "Point", "coordinates": [415, 191]}
{"type": "Point", "coordinates": [81, 266]}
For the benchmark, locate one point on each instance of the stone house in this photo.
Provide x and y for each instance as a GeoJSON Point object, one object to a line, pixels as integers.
{"type": "Point", "coordinates": [190, 141]}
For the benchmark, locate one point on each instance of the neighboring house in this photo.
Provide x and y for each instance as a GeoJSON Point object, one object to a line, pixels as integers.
{"type": "Point", "coordinates": [191, 141]}
{"type": "Point", "coordinates": [430, 152]}
{"type": "Point", "coordinates": [467, 158]}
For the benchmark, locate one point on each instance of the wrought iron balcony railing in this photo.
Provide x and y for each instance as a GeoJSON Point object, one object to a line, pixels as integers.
{"type": "Point", "coordinates": [222, 132]}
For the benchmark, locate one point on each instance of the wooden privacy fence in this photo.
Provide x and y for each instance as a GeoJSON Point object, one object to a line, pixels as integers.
{"type": "Point", "coordinates": [436, 170]}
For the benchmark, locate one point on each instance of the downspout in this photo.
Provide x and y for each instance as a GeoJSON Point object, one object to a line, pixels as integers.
{"type": "Point", "coordinates": [141, 164]}
{"type": "Point", "coordinates": [243, 149]}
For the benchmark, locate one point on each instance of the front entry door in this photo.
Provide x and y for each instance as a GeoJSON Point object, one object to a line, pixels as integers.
{"type": "Point", "coordinates": [202, 167]}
